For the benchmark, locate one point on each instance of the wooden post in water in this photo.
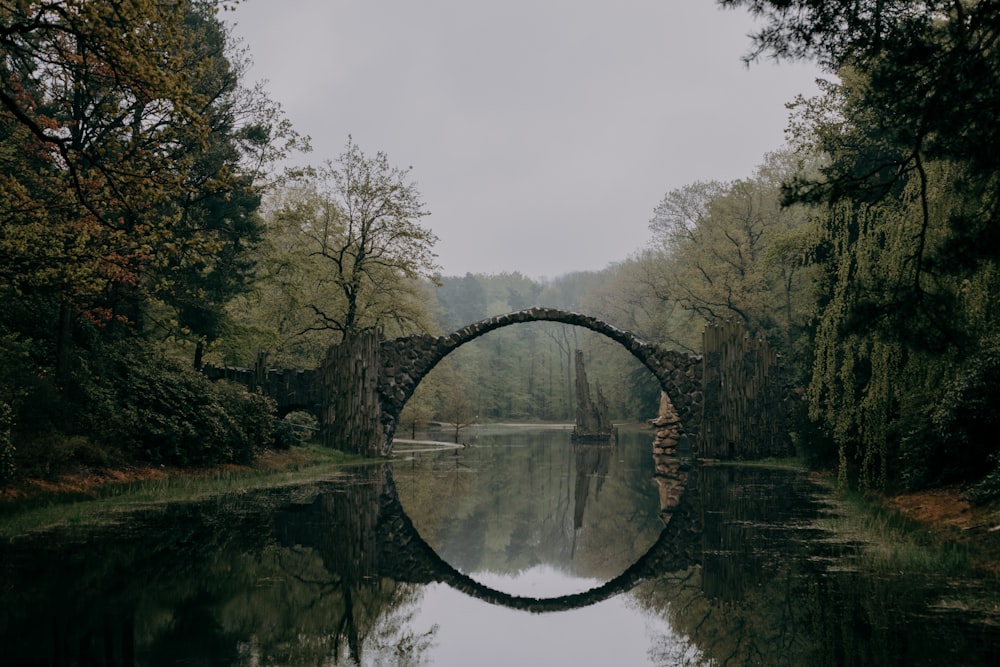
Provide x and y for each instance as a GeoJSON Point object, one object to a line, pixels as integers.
{"type": "Point", "coordinates": [351, 413]}
{"type": "Point", "coordinates": [743, 409]}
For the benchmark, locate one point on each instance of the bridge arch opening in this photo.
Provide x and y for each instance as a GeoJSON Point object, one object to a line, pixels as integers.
{"type": "Point", "coordinates": [407, 361]}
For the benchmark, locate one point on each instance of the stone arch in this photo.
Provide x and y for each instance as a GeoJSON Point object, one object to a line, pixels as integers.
{"type": "Point", "coordinates": [406, 361]}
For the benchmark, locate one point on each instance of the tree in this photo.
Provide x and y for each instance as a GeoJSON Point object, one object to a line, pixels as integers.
{"type": "Point", "coordinates": [273, 315]}
{"type": "Point", "coordinates": [363, 223]}
{"type": "Point", "coordinates": [104, 107]}
{"type": "Point", "coordinates": [725, 251]}
{"type": "Point", "coordinates": [908, 228]}
{"type": "Point", "coordinates": [126, 130]}
{"type": "Point", "coordinates": [920, 84]}
{"type": "Point", "coordinates": [219, 226]}
{"type": "Point", "coordinates": [131, 162]}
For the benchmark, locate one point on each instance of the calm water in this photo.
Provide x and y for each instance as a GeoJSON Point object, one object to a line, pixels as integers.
{"type": "Point", "coordinates": [520, 549]}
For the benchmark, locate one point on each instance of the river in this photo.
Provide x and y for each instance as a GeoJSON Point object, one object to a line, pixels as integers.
{"type": "Point", "coordinates": [518, 548]}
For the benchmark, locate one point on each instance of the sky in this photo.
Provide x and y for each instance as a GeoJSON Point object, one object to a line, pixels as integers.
{"type": "Point", "coordinates": [541, 134]}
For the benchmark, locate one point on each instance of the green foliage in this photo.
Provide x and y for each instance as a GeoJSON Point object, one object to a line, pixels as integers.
{"type": "Point", "coordinates": [132, 162]}
{"type": "Point", "coordinates": [362, 224]}
{"type": "Point", "coordinates": [296, 429]}
{"type": "Point", "coordinates": [126, 403]}
{"type": "Point", "coordinates": [127, 176]}
{"type": "Point", "coordinates": [159, 411]}
{"type": "Point", "coordinates": [988, 488]}
{"type": "Point", "coordinates": [720, 251]}
{"type": "Point", "coordinates": [907, 196]}
{"type": "Point", "coordinates": [967, 415]}
{"type": "Point", "coordinates": [7, 449]}
{"type": "Point", "coordinates": [342, 249]}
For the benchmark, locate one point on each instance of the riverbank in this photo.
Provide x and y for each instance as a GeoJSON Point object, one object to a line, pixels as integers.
{"type": "Point", "coordinates": [85, 481]}
{"type": "Point", "coordinates": [82, 495]}
{"type": "Point", "coordinates": [952, 517]}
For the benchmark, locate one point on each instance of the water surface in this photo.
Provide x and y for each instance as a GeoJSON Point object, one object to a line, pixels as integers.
{"type": "Point", "coordinates": [520, 548]}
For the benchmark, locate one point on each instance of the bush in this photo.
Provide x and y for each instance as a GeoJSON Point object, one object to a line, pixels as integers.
{"type": "Point", "coordinates": [304, 425]}
{"type": "Point", "coordinates": [251, 418]}
{"type": "Point", "coordinates": [7, 450]}
{"type": "Point", "coordinates": [967, 416]}
{"type": "Point", "coordinates": [160, 411]}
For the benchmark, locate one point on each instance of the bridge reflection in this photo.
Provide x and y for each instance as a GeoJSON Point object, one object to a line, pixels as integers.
{"type": "Point", "coordinates": [363, 533]}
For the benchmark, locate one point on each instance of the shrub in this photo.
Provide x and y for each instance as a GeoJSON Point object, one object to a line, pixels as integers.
{"type": "Point", "coordinates": [160, 411]}
{"type": "Point", "coordinates": [7, 467]}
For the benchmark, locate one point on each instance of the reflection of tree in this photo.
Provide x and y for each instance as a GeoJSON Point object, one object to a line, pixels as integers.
{"type": "Point", "coordinates": [193, 630]}
{"type": "Point", "coordinates": [295, 612]}
{"type": "Point", "coordinates": [459, 411]}
{"type": "Point", "coordinates": [215, 582]}
{"type": "Point", "coordinates": [591, 462]}
{"type": "Point", "coordinates": [341, 528]}
{"type": "Point", "coordinates": [757, 597]}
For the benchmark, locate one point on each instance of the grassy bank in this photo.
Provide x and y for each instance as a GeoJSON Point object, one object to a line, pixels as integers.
{"type": "Point", "coordinates": [932, 532]}
{"type": "Point", "coordinates": [95, 496]}
{"type": "Point", "coordinates": [929, 532]}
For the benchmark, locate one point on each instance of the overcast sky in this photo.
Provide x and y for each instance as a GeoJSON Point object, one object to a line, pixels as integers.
{"type": "Point", "coordinates": [541, 133]}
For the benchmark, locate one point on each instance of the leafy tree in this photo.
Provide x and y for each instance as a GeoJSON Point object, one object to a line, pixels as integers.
{"type": "Point", "coordinates": [719, 251]}
{"type": "Point", "coordinates": [219, 229]}
{"type": "Point", "coordinates": [104, 111]}
{"type": "Point", "coordinates": [728, 250]}
{"type": "Point", "coordinates": [130, 165]}
{"type": "Point", "coordinates": [919, 84]}
{"type": "Point", "coordinates": [363, 225]}
{"type": "Point", "coordinates": [295, 301]}
{"type": "Point", "coordinates": [638, 294]}
{"type": "Point", "coordinates": [908, 230]}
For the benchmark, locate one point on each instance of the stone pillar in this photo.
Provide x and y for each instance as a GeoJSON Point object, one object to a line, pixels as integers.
{"type": "Point", "coordinates": [351, 418]}
{"type": "Point", "coordinates": [671, 474]}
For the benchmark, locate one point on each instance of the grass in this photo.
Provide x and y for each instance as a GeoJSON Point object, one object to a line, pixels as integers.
{"type": "Point", "coordinates": [94, 500]}
{"type": "Point", "coordinates": [892, 544]}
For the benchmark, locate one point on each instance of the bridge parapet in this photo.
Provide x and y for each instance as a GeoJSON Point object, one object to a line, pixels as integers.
{"type": "Point", "coordinates": [290, 389]}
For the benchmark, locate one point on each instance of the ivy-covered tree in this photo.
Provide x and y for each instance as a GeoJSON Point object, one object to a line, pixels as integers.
{"type": "Point", "coordinates": [910, 227]}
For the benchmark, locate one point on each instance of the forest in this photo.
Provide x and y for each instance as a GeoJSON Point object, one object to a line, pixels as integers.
{"type": "Point", "coordinates": [149, 224]}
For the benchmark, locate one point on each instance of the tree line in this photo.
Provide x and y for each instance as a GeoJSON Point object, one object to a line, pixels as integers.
{"type": "Point", "coordinates": [146, 228]}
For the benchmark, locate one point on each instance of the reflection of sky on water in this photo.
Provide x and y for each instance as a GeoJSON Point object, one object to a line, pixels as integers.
{"type": "Point", "coordinates": [613, 632]}
{"type": "Point", "coordinates": [540, 581]}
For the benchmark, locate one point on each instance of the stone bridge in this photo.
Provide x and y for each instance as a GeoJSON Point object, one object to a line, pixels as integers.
{"type": "Point", "coordinates": [335, 391]}
{"type": "Point", "coordinates": [406, 361]}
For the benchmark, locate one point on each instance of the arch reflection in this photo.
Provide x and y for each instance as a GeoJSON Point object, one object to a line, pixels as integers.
{"type": "Point", "coordinates": [366, 534]}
